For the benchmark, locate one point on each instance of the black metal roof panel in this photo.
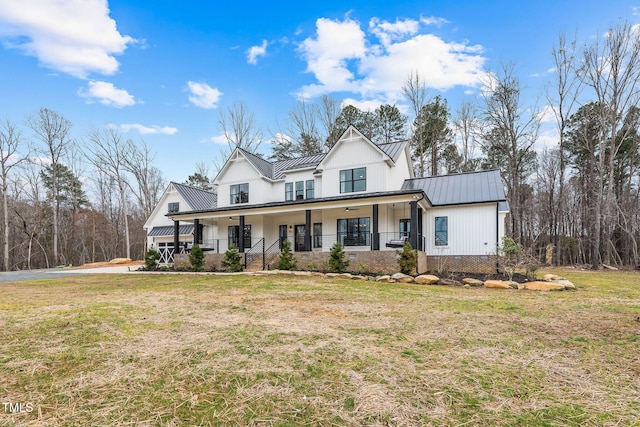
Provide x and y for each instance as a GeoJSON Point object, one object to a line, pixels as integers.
{"type": "Point", "coordinates": [458, 189]}
{"type": "Point", "coordinates": [393, 149]}
{"type": "Point", "coordinates": [196, 198]}
{"type": "Point", "coordinates": [264, 166]}
{"type": "Point", "coordinates": [167, 230]}
{"type": "Point", "coordinates": [298, 163]}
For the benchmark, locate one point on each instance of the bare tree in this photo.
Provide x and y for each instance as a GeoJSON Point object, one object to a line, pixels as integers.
{"type": "Point", "coordinates": [10, 139]}
{"type": "Point", "coordinates": [109, 153]}
{"type": "Point", "coordinates": [328, 111]}
{"type": "Point", "coordinates": [466, 129]}
{"type": "Point", "coordinates": [52, 129]}
{"type": "Point", "coordinates": [416, 90]}
{"type": "Point", "coordinates": [239, 127]}
{"type": "Point", "coordinates": [611, 70]}
{"type": "Point", "coordinates": [562, 100]}
{"type": "Point", "coordinates": [512, 130]}
{"type": "Point", "coordinates": [149, 180]}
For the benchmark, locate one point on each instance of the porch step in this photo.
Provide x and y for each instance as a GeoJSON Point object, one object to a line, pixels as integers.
{"type": "Point", "coordinates": [255, 265]}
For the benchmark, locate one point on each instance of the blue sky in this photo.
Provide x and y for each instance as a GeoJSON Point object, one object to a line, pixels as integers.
{"type": "Point", "coordinates": [163, 70]}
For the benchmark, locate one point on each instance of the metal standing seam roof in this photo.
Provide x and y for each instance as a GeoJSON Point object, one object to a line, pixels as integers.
{"type": "Point", "coordinates": [457, 189]}
{"type": "Point", "coordinates": [275, 170]}
{"type": "Point", "coordinates": [196, 198]}
{"type": "Point", "coordinates": [167, 230]}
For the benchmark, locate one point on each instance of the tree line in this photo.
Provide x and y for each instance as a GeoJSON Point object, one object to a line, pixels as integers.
{"type": "Point", "coordinates": [576, 201]}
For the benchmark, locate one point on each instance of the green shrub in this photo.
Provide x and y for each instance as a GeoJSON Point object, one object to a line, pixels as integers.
{"type": "Point", "coordinates": [232, 260]}
{"type": "Point", "coordinates": [337, 261]}
{"type": "Point", "coordinates": [407, 259]}
{"type": "Point", "coordinates": [196, 257]}
{"type": "Point", "coordinates": [151, 258]}
{"type": "Point", "coordinates": [287, 260]}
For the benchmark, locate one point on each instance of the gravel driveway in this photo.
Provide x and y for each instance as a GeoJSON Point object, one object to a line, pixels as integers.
{"type": "Point", "coordinates": [55, 273]}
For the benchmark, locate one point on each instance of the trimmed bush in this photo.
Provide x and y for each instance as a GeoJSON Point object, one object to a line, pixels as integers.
{"type": "Point", "coordinates": [232, 260]}
{"type": "Point", "coordinates": [287, 260]}
{"type": "Point", "coordinates": [196, 258]}
{"type": "Point", "coordinates": [408, 259]}
{"type": "Point", "coordinates": [151, 258]}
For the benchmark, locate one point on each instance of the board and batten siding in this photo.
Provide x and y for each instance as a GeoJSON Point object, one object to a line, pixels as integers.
{"type": "Point", "coordinates": [471, 229]}
{"type": "Point", "coordinates": [240, 172]}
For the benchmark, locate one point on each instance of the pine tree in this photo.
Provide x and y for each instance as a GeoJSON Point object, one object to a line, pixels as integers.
{"type": "Point", "coordinates": [337, 261]}
{"type": "Point", "coordinates": [196, 257]}
{"type": "Point", "coordinates": [287, 260]}
{"type": "Point", "coordinates": [407, 259]}
{"type": "Point", "coordinates": [232, 260]}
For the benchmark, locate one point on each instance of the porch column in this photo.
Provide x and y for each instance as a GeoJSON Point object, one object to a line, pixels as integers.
{"type": "Point", "coordinates": [307, 230]}
{"type": "Point", "coordinates": [375, 241]}
{"type": "Point", "coordinates": [196, 231]}
{"type": "Point", "coordinates": [420, 232]}
{"type": "Point", "coordinates": [413, 224]}
{"type": "Point", "coordinates": [241, 234]}
{"type": "Point", "coordinates": [176, 237]}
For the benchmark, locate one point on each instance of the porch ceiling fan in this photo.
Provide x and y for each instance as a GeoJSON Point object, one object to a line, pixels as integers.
{"type": "Point", "coordinates": [347, 209]}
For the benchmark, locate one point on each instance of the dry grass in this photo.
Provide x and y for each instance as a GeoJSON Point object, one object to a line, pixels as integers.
{"type": "Point", "coordinates": [238, 350]}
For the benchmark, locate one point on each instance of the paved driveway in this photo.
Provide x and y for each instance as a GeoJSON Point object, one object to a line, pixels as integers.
{"type": "Point", "coordinates": [55, 273]}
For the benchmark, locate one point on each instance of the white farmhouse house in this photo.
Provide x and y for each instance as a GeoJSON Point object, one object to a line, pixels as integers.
{"type": "Point", "coordinates": [361, 194]}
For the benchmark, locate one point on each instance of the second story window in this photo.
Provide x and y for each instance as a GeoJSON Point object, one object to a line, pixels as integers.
{"type": "Point", "coordinates": [288, 191]}
{"type": "Point", "coordinates": [352, 180]}
{"type": "Point", "coordinates": [239, 194]}
{"type": "Point", "coordinates": [299, 190]}
{"type": "Point", "coordinates": [310, 189]}
{"type": "Point", "coordinates": [174, 207]}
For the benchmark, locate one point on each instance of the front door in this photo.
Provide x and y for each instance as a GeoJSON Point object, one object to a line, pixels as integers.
{"type": "Point", "coordinates": [299, 238]}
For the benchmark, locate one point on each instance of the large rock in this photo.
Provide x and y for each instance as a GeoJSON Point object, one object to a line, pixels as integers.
{"type": "Point", "coordinates": [402, 278]}
{"type": "Point", "coordinates": [567, 284]}
{"type": "Point", "coordinates": [427, 279]}
{"type": "Point", "coordinates": [449, 282]}
{"type": "Point", "coordinates": [497, 284]}
{"type": "Point", "coordinates": [385, 279]}
{"type": "Point", "coordinates": [551, 277]}
{"type": "Point", "coordinates": [543, 286]}
{"type": "Point", "coordinates": [339, 275]}
{"type": "Point", "coordinates": [120, 261]}
{"type": "Point", "coordinates": [472, 282]}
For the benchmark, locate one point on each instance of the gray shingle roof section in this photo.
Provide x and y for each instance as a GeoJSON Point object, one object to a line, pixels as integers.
{"type": "Point", "coordinates": [458, 189]}
{"type": "Point", "coordinates": [167, 230]}
{"type": "Point", "coordinates": [196, 198]}
{"type": "Point", "coordinates": [393, 149]}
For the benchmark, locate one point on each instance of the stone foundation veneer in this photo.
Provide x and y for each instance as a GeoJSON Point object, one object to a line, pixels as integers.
{"type": "Point", "coordinates": [375, 262]}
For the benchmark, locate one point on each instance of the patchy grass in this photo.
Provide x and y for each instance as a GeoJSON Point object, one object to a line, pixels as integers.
{"type": "Point", "coordinates": [239, 350]}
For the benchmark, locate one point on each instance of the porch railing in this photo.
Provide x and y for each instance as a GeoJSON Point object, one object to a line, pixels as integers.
{"type": "Point", "coordinates": [271, 253]}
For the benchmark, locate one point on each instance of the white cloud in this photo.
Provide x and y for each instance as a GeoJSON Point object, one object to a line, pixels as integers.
{"type": "Point", "coordinates": [547, 115]}
{"type": "Point", "coordinates": [203, 96]}
{"type": "Point", "coordinates": [342, 57]}
{"type": "Point", "coordinates": [432, 20]}
{"type": "Point", "coordinates": [148, 130]}
{"type": "Point", "coordinates": [107, 94]}
{"type": "Point", "coordinates": [254, 52]}
{"type": "Point", "coordinates": [76, 37]}
{"type": "Point", "coordinates": [219, 139]}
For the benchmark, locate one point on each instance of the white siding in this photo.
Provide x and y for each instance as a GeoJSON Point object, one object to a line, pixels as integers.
{"type": "Point", "coordinates": [471, 230]}
{"type": "Point", "coordinates": [240, 171]}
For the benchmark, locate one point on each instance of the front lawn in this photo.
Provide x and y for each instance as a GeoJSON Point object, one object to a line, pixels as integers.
{"type": "Point", "coordinates": [143, 349]}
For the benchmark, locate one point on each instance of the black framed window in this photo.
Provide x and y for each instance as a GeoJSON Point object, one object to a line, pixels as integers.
{"type": "Point", "coordinates": [299, 190]}
{"type": "Point", "coordinates": [288, 191]}
{"type": "Point", "coordinates": [310, 193]}
{"type": "Point", "coordinates": [174, 207]}
{"type": "Point", "coordinates": [352, 180]}
{"type": "Point", "coordinates": [442, 231]}
{"type": "Point", "coordinates": [405, 227]}
{"type": "Point", "coordinates": [234, 235]}
{"type": "Point", "coordinates": [354, 231]}
{"type": "Point", "coordinates": [239, 194]}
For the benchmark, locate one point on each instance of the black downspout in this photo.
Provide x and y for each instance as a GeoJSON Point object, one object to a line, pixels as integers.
{"type": "Point", "coordinates": [497, 237]}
